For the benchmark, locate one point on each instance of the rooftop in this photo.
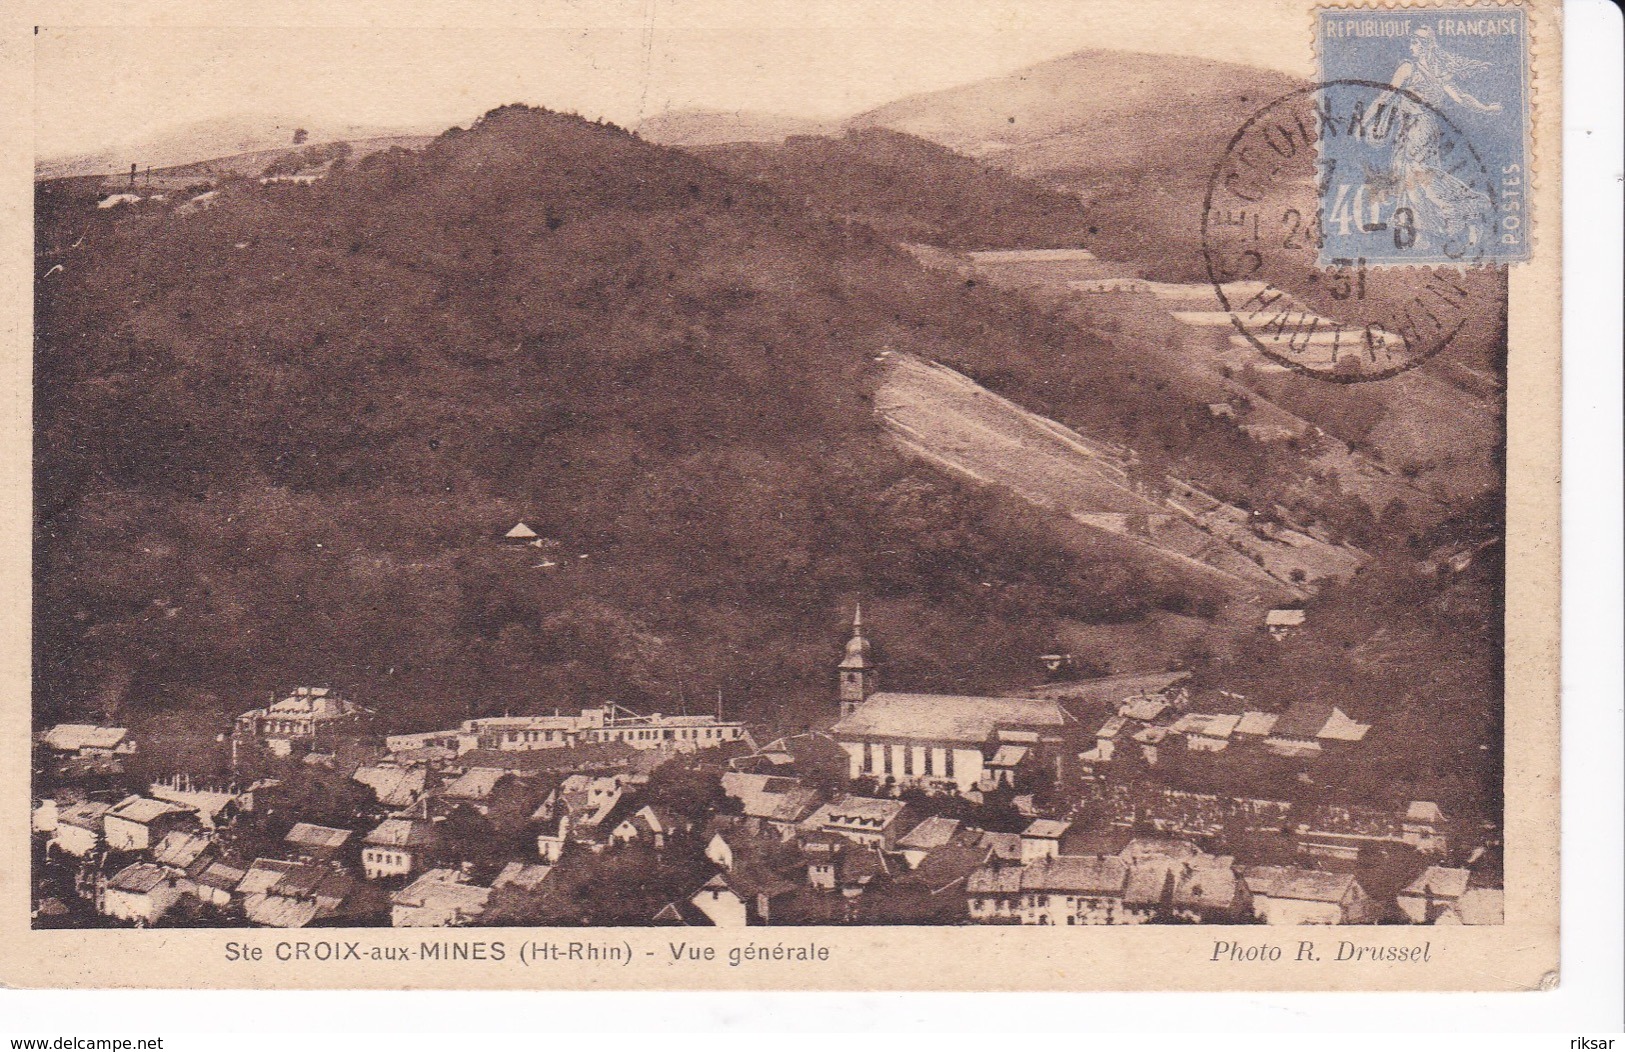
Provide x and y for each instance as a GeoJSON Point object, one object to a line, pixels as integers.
{"type": "Point", "coordinates": [1290, 882]}
{"type": "Point", "coordinates": [442, 889]}
{"type": "Point", "coordinates": [307, 834]}
{"type": "Point", "coordinates": [143, 810]}
{"type": "Point", "coordinates": [931, 833]}
{"type": "Point", "coordinates": [138, 879]}
{"type": "Point", "coordinates": [402, 832]}
{"type": "Point", "coordinates": [858, 811]}
{"type": "Point", "coordinates": [1440, 882]}
{"type": "Point", "coordinates": [1206, 725]}
{"type": "Point", "coordinates": [1046, 829]}
{"type": "Point", "coordinates": [476, 783]}
{"type": "Point", "coordinates": [71, 737]}
{"type": "Point", "coordinates": [522, 875]}
{"type": "Point", "coordinates": [1256, 723]}
{"type": "Point", "coordinates": [1097, 875]}
{"type": "Point", "coordinates": [952, 718]}
{"type": "Point", "coordinates": [180, 849]}
{"type": "Point", "coordinates": [771, 797]}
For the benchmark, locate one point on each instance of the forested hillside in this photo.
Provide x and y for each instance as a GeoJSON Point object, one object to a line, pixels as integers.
{"type": "Point", "coordinates": [279, 440]}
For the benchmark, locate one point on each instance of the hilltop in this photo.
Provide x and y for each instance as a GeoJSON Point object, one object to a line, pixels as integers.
{"type": "Point", "coordinates": [910, 189]}
{"type": "Point", "coordinates": [1133, 136]}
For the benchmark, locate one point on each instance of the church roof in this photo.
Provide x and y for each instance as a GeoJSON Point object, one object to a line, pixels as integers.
{"type": "Point", "coordinates": [945, 717]}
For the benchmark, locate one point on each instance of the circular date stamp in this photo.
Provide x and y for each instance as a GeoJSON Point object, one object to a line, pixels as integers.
{"type": "Point", "coordinates": [1320, 176]}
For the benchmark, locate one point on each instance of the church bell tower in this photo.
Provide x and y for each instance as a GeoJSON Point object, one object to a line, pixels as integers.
{"type": "Point", "coordinates": [857, 669]}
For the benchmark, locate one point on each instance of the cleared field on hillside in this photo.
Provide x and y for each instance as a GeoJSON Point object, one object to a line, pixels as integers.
{"type": "Point", "coordinates": [944, 417]}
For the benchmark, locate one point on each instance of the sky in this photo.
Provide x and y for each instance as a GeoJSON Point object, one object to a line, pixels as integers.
{"type": "Point", "coordinates": [621, 60]}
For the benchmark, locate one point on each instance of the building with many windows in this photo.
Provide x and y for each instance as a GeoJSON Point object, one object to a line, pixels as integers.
{"type": "Point", "coordinates": [945, 742]}
{"type": "Point", "coordinates": [597, 726]}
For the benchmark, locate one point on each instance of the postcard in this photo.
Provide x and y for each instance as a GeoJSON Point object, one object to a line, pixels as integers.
{"type": "Point", "coordinates": [696, 494]}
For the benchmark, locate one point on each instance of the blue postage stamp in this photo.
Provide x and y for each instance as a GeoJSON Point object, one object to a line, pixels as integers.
{"type": "Point", "coordinates": [1431, 168]}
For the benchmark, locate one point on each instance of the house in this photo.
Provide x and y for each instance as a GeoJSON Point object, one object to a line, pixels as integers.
{"type": "Point", "coordinates": [87, 741]}
{"type": "Point", "coordinates": [650, 825]}
{"type": "Point", "coordinates": [948, 866]}
{"type": "Point", "coordinates": [1433, 894]}
{"type": "Point", "coordinates": [1282, 623]}
{"type": "Point", "coordinates": [713, 904]}
{"type": "Point", "coordinates": [860, 819]}
{"type": "Point", "coordinates": [136, 823]}
{"type": "Point", "coordinates": [294, 894]}
{"type": "Point", "coordinates": [521, 534]}
{"type": "Point", "coordinates": [440, 898]}
{"type": "Point", "coordinates": [526, 876]}
{"type": "Point", "coordinates": [719, 851]}
{"type": "Point", "coordinates": [141, 893]}
{"type": "Point", "coordinates": [1003, 766]}
{"type": "Point", "coordinates": [1003, 847]}
{"type": "Point", "coordinates": [993, 894]}
{"type": "Point", "coordinates": [486, 789]}
{"type": "Point", "coordinates": [1210, 893]}
{"type": "Point", "coordinates": [1423, 827]}
{"type": "Point", "coordinates": [933, 833]}
{"type": "Point", "coordinates": [394, 786]}
{"type": "Point", "coordinates": [78, 829]}
{"type": "Point", "coordinates": [215, 806]}
{"type": "Point", "coordinates": [317, 842]}
{"type": "Point", "coordinates": [813, 754]}
{"type": "Point", "coordinates": [217, 883]}
{"type": "Point", "coordinates": [1290, 895]}
{"type": "Point", "coordinates": [550, 846]}
{"type": "Point", "coordinates": [307, 716]}
{"type": "Point", "coordinates": [43, 818]}
{"type": "Point", "coordinates": [857, 866]}
{"type": "Point", "coordinates": [1052, 891]}
{"type": "Point", "coordinates": [1073, 891]}
{"type": "Point", "coordinates": [1081, 843]}
{"type": "Point", "coordinates": [1042, 839]}
{"type": "Point", "coordinates": [1173, 880]}
{"type": "Point", "coordinates": [1206, 732]}
{"type": "Point", "coordinates": [262, 875]}
{"type": "Point", "coordinates": [770, 802]}
{"type": "Point", "coordinates": [717, 899]}
{"type": "Point", "coordinates": [584, 799]}
{"type": "Point", "coordinates": [398, 847]}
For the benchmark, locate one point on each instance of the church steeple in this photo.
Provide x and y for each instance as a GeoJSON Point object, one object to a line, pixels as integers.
{"type": "Point", "coordinates": [857, 670]}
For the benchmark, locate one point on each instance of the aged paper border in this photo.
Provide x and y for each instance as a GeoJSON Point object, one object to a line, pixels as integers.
{"type": "Point", "coordinates": [1520, 955]}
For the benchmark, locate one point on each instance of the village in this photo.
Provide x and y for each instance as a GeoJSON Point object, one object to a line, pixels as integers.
{"type": "Point", "coordinates": [1043, 807]}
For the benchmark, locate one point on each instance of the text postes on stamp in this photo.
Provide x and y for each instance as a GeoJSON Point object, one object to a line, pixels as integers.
{"type": "Point", "coordinates": [1458, 112]}
{"type": "Point", "coordinates": [1274, 241]}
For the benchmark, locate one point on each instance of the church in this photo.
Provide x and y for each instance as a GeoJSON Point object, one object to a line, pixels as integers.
{"type": "Point", "coordinates": [939, 742]}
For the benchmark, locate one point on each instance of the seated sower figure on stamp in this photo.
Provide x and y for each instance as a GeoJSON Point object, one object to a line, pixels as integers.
{"type": "Point", "coordinates": [1440, 204]}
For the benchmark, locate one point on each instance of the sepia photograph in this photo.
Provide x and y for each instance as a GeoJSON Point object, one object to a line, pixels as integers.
{"type": "Point", "coordinates": [849, 470]}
